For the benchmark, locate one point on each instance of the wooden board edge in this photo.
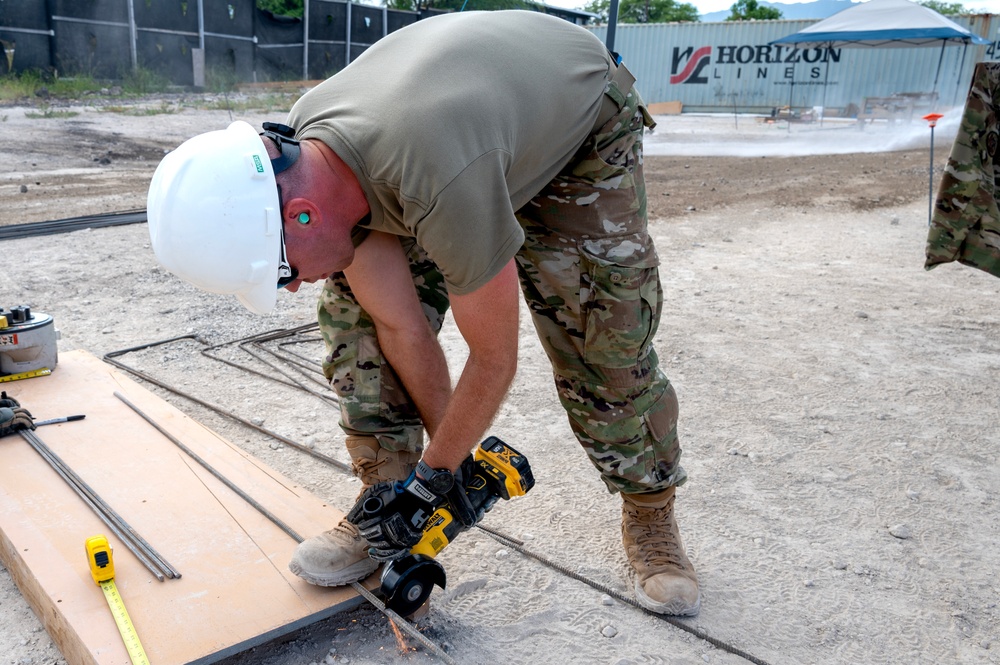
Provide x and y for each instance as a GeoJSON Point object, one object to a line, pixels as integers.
{"type": "Point", "coordinates": [280, 631]}
{"type": "Point", "coordinates": [60, 631]}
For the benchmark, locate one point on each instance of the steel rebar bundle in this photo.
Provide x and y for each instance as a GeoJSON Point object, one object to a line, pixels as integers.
{"type": "Point", "coordinates": [136, 544]}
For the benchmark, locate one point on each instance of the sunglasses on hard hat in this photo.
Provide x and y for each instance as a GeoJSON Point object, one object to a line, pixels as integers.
{"type": "Point", "coordinates": [288, 151]}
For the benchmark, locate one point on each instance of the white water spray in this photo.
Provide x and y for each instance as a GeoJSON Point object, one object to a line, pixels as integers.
{"type": "Point", "coordinates": [718, 135]}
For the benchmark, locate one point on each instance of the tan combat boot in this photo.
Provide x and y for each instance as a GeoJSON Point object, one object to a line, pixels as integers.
{"type": "Point", "coordinates": [665, 581]}
{"type": "Point", "coordinates": [340, 555]}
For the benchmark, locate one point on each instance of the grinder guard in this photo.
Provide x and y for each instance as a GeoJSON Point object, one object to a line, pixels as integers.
{"type": "Point", "coordinates": [407, 582]}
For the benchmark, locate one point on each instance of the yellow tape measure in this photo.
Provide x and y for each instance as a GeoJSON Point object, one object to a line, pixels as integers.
{"type": "Point", "coordinates": [102, 569]}
{"type": "Point", "coordinates": [45, 371]}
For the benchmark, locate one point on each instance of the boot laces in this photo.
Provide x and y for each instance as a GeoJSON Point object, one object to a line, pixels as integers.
{"type": "Point", "coordinates": [653, 535]}
{"type": "Point", "coordinates": [345, 529]}
{"type": "Point", "coordinates": [365, 470]}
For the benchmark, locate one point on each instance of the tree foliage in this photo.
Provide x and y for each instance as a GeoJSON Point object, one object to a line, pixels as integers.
{"type": "Point", "coordinates": [282, 7]}
{"type": "Point", "coordinates": [295, 7]}
{"type": "Point", "coordinates": [462, 5]}
{"type": "Point", "coordinates": [645, 11]}
{"type": "Point", "coordinates": [940, 7]}
{"type": "Point", "coordinates": [751, 10]}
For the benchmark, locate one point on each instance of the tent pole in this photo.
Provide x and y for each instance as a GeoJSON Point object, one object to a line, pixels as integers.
{"type": "Point", "coordinates": [612, 25]}
{"type": "Point", "coordinates": [826, 82]}
{"type": "Point", "coordinates": [961, 68]}
{"type": "Point", "coordinates": [791, 89]}
{"type": "Point", "coordinates": [938, 72]}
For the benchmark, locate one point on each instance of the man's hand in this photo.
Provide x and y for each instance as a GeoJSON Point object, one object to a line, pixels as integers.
{"type": "Point", "coordinates": [391, 516]}
{"type": "Point", "coordinates": [14, 419]}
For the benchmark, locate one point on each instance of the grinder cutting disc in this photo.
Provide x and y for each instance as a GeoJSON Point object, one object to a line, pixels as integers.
{"type": "Point", "coordinates": [408, 582]}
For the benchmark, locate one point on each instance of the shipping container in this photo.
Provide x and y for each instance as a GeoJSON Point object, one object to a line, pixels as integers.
{"type": "Point", "coordinates": [732, 67]}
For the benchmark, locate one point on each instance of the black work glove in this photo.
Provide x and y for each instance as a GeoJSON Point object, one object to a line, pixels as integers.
{"type": "Point", "coordinates": [392, 516]}
{"type": "Point", "coordinates": [14, 420]}
{"type": "Point", "coordinates": [9, 402]}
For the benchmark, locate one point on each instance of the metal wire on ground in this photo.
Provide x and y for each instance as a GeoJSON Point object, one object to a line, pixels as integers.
{"type": "Point", "coordinates": [258, 342]}
{"type": "Point", "coordinates": [71, 224]}
{"type": "Point", "coordinates": [111, 358]}
{"type": "Point", "coordinates": [518, 545]}
{"type": "Point", "coordinates": [368, 595]}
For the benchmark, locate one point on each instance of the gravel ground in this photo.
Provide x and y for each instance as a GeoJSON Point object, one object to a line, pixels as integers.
{"type": "Point", "coordinates": [838, 403]}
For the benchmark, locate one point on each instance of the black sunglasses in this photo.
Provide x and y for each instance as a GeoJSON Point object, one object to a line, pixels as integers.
{"type": "Point", "coordinates": [288, 152]}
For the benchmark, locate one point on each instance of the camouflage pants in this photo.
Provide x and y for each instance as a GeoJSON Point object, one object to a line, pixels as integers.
{"type": "Point", "coordinates": [373, 401]}
{"type": "Point", "coordinates": [588, 272]}
{"type": "Point", "coordinates": [965, 226]}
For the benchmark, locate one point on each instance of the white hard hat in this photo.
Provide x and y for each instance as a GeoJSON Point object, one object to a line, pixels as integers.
{"type": "Point", "coordinates": [214, 215]}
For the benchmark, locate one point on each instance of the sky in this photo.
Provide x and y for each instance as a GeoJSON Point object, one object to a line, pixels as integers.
{"type": "Point", "coordinates": [706, 6]}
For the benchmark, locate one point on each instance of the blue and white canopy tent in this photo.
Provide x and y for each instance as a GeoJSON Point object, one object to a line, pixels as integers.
{"type": "Point", "coordinates": [884, 24]}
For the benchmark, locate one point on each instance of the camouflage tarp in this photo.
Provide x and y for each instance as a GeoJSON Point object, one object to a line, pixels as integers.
{"type": "Point", "coordinates": [965, 226]}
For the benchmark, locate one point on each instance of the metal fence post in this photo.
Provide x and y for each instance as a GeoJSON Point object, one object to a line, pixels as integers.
{"type": "Point", "coordinates": [201, 24]}
{"type": "Point", "coordinates": [305, 40]}
{"type": "Point", "coordinates": [347, 35]}
{"type": "Point", "coordinates": [132, 36]}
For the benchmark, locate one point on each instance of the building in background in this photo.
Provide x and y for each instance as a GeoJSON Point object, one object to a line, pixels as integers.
{"type": "Point", "coordinates": [701, 67]}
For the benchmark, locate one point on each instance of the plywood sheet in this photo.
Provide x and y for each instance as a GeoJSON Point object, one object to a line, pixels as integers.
{"type": "Point", "coordinates": [235, 589]}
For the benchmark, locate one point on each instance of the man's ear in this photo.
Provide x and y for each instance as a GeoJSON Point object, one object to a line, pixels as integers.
{"type": "Point", "coordinates": [301, 212]}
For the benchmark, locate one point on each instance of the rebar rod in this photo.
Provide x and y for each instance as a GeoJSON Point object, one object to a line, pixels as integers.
{"type": "Point", "coordinates": [129, 537]}
{"type": "Point", "coordinates": [110, 358]}
{"type": "Point", "coordinates": [497, 535]}
{"type": "Point", "coordinates": [395, 618]}
{"type": "Point", "coordinates": [208, 467]}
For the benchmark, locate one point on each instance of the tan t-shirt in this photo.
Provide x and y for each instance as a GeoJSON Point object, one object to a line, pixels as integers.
{"type": "Point", "coordinates": [453, 123]}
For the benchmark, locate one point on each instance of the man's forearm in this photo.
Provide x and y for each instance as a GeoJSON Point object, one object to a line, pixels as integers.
{"type": "Point", "coordinates": [419, 362]}
{"type": "Point", "coordinates": [455, 421]}
{"type": "Point", "coordinates": [488, 321]}
{"type": "Point", "coordinates": [472, 407]}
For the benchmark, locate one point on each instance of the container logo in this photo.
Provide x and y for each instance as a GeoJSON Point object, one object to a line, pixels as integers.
{"type": "Point", "coordinates": [694, 64]}
{"type": "Point", "coordinates": [691, 65]}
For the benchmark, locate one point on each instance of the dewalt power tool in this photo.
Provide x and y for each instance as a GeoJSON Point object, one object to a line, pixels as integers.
{"type": "Point", "coordinates": [496, 471]}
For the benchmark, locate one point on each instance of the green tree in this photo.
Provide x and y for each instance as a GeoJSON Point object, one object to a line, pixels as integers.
{"type": "Point", "coordinates": [645, 11]}
{"type": "Point", "coordinates": [940, 7]}
{"type": "Point", "coordinates": [462, 5]}
{"type": "Point", "coordinates": [282, 7]}
{"type": "Point", "coordinates": [750, 10]}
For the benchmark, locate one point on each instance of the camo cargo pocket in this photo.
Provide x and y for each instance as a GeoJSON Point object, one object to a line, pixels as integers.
{"type": "Point", "coordinates": [353, 361]}
{"type": "Point", "coordinates": [356, 375]}
{"type": "Point", "coordinates": [621, 299]}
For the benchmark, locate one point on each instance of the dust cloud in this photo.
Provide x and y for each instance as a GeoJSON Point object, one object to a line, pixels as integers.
{"type": "Point", "coordinates": [689, 135]}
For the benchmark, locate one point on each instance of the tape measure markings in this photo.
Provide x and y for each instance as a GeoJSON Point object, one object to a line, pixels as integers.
{"type": "Point", "coordinates": [45, 371]}
{"type": "Point", "coordinates": [102, 569]}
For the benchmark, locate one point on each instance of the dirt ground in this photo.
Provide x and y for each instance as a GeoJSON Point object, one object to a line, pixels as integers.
{"type": "Point", "coordinates": [838, 404]}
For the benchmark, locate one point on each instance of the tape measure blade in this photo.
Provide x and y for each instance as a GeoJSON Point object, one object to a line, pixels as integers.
{"type": "Point", "coordinates": [124, 622]}
{"type": "Point", "coordinates": [26, 375]}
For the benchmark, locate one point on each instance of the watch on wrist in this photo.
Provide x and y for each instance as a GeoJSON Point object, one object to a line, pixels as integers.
{"type": "Point", "coordinates": [439, 480]}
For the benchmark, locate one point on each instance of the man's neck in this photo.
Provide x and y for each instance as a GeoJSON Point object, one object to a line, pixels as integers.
{"type": "Point", "coordinates": [348, 196]}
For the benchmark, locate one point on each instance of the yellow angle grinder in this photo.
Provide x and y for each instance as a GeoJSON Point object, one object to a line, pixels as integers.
{"type": "Point", "coordinates": [497, 472]}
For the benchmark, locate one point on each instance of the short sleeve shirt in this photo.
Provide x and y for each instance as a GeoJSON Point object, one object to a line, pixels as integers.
{"type": "Point", "coordinates": [453, 123]}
